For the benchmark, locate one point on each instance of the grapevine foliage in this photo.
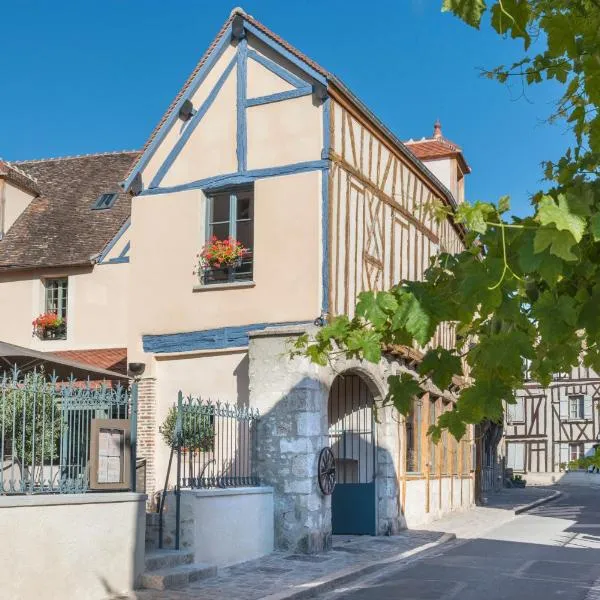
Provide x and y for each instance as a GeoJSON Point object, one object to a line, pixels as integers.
{"type": "Point", "coordinates": [524, 288]}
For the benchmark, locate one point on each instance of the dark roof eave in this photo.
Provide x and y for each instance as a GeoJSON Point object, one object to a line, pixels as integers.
{"type": "Point", "coordinates": [12, 268]}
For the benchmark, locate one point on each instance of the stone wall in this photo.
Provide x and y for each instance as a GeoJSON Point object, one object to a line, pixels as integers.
{"type": "Point", "coordinates": [291, 432]}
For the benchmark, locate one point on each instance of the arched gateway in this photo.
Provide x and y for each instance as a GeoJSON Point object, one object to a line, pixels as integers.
{"type": "Point", "coordinates": [351, 429]}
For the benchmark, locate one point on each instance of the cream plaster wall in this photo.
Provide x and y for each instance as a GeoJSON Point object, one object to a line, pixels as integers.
{"type": "Point", "coordinates": [71, 547]}
{"type": "Point", "coordinates": [445, 169]}
{"type": "Point", "coordinates": [444, 495]}
{"type": "Point", "coordinates": [284, 133]}
{"type": "Point", "coordinates": [175, 132]}
{"type": "Point", "coordinates": [211, 519]}
{"type": "Point", "coordinates": [211, 149]}
{"type": "Point", "coordinates": [96, 309]}
{"type": "Point", "coordinates": [15, 201]}
{"type": "Point", "coordinates": [167, 232]}
{"type": "Point", "coordinates": [279, 133]}
{"type": "Point", "coordinates": [119, 246]}
{"type": "Point", "coordinates": [262, 82]}
{"type": "Point", "coordinates": [221, 376]}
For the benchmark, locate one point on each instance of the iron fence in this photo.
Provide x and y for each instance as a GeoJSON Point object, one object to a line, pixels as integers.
{"type": "Point", "coordinates": [215, 444]}
{"type": "Point", "coordinates": [45, 427]}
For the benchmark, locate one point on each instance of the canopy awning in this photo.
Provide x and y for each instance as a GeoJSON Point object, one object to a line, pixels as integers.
{"type": "Point", "coordinates": [27, 360]}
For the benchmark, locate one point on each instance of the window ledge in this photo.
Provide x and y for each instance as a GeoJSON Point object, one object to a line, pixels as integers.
{"type": "Point", "coordinates": [223, 286]}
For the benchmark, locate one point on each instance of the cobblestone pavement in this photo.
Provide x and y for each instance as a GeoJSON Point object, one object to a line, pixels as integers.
{"type": "Point", "coordinates": [281, 572]}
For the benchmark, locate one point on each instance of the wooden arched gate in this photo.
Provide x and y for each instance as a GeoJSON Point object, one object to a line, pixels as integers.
{"type": "Point", "coordinates": [352, 440]}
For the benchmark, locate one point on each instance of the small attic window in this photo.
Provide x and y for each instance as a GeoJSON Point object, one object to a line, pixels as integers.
{"type": "Point", "coordinates": [105, 201]}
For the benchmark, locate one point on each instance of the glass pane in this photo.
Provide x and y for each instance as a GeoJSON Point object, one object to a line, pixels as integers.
{"type": "Point", "coordinates": [221, 231]}
{"type": "Point", "coordinates": [245, 234]}
{"type": "Point", "coordinates": [244, 207]}
{"type": "Point", "coordinates": [220, 208]}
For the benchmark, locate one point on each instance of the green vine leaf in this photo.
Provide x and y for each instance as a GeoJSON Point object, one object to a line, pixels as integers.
{"type": "Point", "coordinates": [470, 11]}
{"type": "Point", "coordinates": [403, 390]}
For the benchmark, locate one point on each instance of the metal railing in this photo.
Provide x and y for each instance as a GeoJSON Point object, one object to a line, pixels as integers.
{"type": "Point", "coordinates": [45, 428]}
{"type": "Point", "coordinates": [212, 443]}
{"type": "Point", "coordinates": [216, 449]}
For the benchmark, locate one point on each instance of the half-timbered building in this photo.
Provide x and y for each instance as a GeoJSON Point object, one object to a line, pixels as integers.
{"type": "Point", "coordinates": [549, 427]}
{"type": "Point", "coordinates": [265, 146]}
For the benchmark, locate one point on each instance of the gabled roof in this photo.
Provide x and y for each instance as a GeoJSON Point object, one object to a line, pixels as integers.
{"type": "Point", "coordinates": [334, 84]}
{"type": "Point", "coordinates": [437, 147]}
{"type": "Point", "coordinates": [59, 227]}
{"type": "Point", "coordinates": [18, 177]}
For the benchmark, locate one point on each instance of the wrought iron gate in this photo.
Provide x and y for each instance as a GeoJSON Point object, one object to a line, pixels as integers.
{"type": "Point", "coordinates": [352, 440]}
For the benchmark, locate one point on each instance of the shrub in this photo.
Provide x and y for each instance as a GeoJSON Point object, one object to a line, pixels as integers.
{"type": "Point", "coordinates": [198, 430]}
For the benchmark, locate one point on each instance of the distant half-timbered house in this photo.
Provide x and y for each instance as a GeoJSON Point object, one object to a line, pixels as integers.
{"type": "Point", "coordinates": [549, 427]}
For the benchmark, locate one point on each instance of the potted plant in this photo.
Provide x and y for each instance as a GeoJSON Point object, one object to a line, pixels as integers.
{"type": "Point", "coordinates": [198, 429]}
{"type": "Point", "coordinates": [49, 326]}
{"type": "Point", "coordinates": [219, 260]}
{"type": "Point", "coordinates": [518, 481]}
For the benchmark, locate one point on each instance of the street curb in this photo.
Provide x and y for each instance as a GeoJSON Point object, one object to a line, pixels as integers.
{"type": "Point", "coordinates": [538, 502]}
{"type": "Point", "coordinates": [352, 573]}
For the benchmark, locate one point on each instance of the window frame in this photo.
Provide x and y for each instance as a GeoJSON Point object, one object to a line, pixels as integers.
{"type": "Point", "coordinates": [61, 290]}
{"type": "Point", "coordinates": [577, 401]}
{"type": "Point", "coordinates": [234, 193]}
{"type": "Point", "coordinates": [415, 422]}
{"type": "Point", "coordinates": [433, 448]}
{"type": "Point", "coordinates": [62, 296]}
{"type": "Point", "coordinates": [580, 446]}
{"type": "Point", "coordinates": [105, 201]}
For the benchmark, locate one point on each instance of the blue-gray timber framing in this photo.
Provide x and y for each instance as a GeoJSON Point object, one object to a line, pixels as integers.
{"type": "Point", "coordinates": [232, 336]}
{"type": "Point", "coordinates": [208, 339]}
{"type": "Point", "coordinates": [123, 255]}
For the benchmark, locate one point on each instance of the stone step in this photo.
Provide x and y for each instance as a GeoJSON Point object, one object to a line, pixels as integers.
{"type": "Point", "coordinates": [163, 559]}
{"type": "Point", "coordinates": [176, 577]}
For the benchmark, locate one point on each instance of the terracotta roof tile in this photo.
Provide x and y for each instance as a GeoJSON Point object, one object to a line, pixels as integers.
{"type": "Point", "coordinates": [432, 149]}
{"type": "Point", "coordinates": [112, 359]}
{"type": "Point", "coordinates": [17, 176]}
{"type": "Point", "coordinates": [59, 227]}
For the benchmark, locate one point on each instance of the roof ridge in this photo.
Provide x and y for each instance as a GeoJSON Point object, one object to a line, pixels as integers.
{"type": "Point", "coordinates": [74, 156]}
{"type": "Point", "coordinates": [16, 169]}
{"type": "Point", "coordinates": [444, 141]}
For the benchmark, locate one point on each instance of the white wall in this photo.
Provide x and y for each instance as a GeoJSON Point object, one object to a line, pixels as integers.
{"type": "Point", "coordinates": [457, 493]}
{"type": "Point", "coordinates": [71, 547]}
{"type": "Point", "coordinates": [225, 526]}
{"type": "Point", "coordinates": [96, 311]}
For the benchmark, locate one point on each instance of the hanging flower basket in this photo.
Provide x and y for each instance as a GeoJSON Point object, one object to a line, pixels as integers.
{"type": "Point", "coordinates": [49, 326]}
{"type": "Point", "coordinates": [219, 260]}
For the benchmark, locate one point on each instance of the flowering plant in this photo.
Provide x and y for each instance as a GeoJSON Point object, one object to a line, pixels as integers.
{"type": "Point", "coordinates": [221, 253]}
{"type": "Point", "coordinates": [47, 322]}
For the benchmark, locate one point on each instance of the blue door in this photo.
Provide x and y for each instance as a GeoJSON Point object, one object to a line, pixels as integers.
{"type": "Point", "coordinates": [352, 440]}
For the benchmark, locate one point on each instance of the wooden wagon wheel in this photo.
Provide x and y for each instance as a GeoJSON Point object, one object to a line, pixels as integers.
{"type": "Point", "coordinates": [326, 473]}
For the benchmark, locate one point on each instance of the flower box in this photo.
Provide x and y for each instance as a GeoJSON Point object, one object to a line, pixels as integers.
{"type": "Point", "coordinates": [49, 326]}
{"type": "Point", "coordinates": [220, 260]}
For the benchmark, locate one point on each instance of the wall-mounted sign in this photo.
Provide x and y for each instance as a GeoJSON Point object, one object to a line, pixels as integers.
{"type": "Point", "coordinates": [110, 454]}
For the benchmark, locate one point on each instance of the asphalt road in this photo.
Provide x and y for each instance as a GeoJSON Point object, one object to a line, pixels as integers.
{"type": "Point", "coordinates": [550, 552]}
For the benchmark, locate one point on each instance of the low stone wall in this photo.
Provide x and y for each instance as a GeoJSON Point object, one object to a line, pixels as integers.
{"type": "Point", "coordinates": [71, 547]}
{"type": "Point", "coordinates": [427, 501]}
{"type": "Point", "coordinates": [223, 526]}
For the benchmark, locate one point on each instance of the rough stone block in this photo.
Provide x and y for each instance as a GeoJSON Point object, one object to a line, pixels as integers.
{"type": "Point", "coordinates": [301, 486]}
{"type": "Point", "coordinates": [309, 424]}
{"type": "Point", "coordinates": [295, 445]}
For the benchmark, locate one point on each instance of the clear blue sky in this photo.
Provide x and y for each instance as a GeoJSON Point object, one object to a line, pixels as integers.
{"type": "Point", "coordinates": [80, 77]}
